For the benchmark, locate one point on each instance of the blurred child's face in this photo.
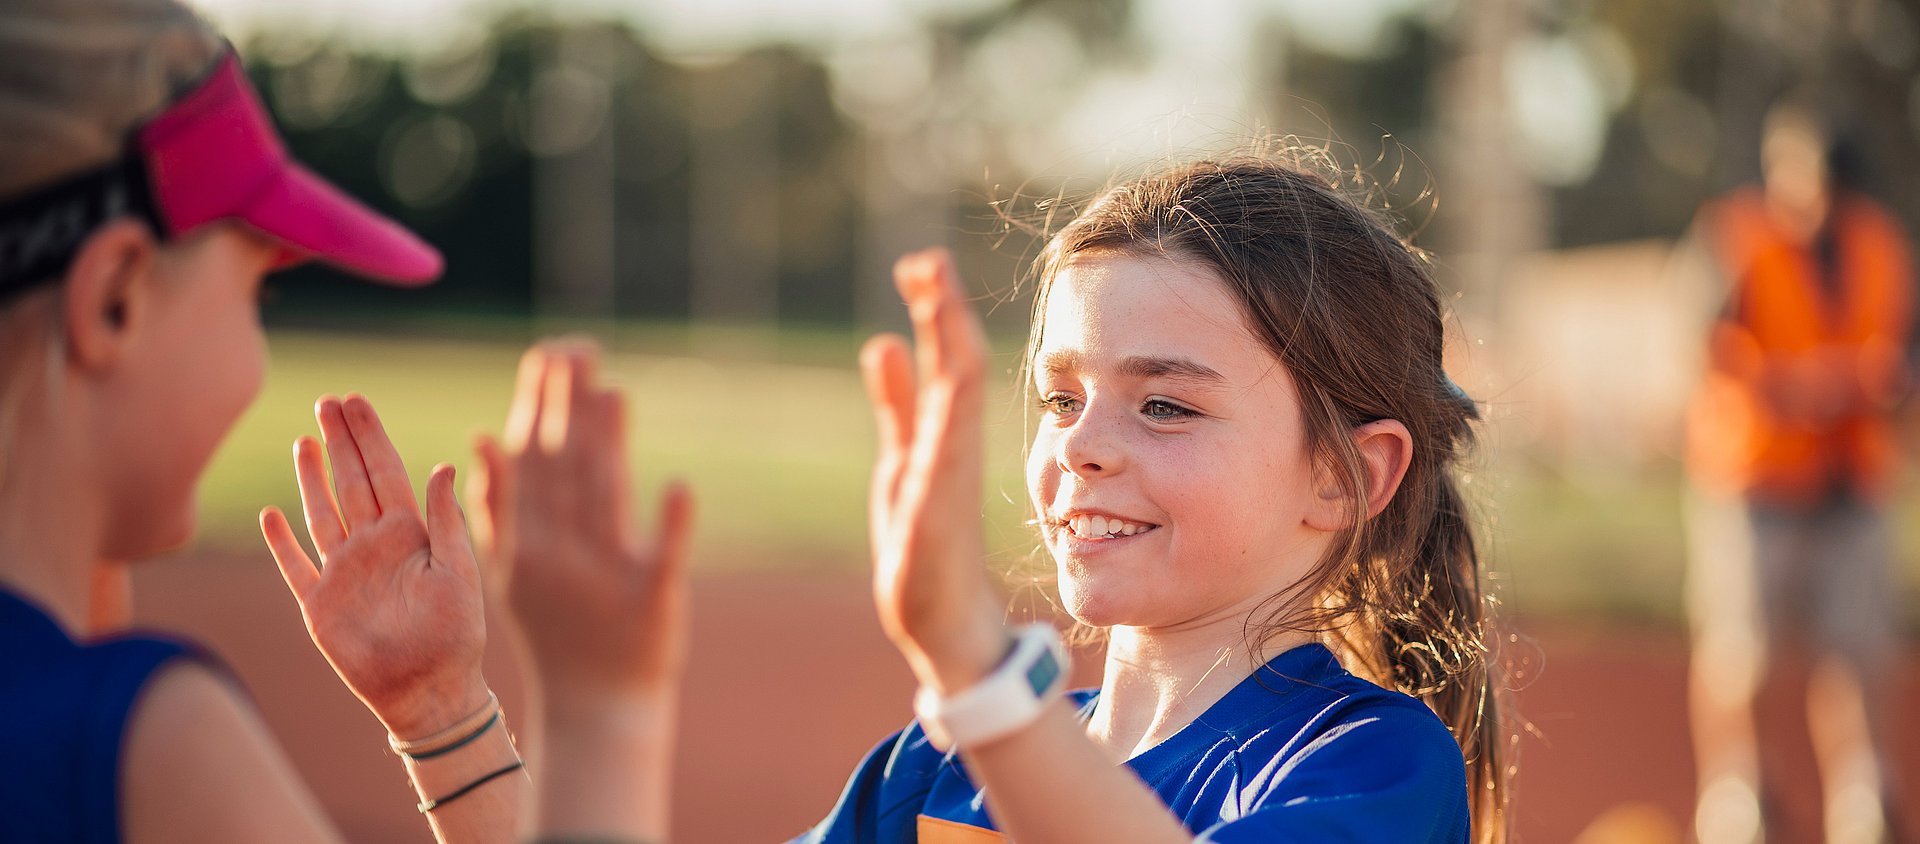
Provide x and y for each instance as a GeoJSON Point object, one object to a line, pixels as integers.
{"type": "Point", "coordinates": [193, 367]}
{"type": "Point", "coordinates": [1170, 467]}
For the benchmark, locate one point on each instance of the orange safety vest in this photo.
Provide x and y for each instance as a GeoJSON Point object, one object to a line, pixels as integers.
{"type": "Point", "coordinates": [1779, 314]}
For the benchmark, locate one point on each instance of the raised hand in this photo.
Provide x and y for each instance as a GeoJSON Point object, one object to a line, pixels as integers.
{"type": "Point", "coordinates": [929, 577]}
{"type": "Point", "coordinates": [601, 609]}
{"type": "Point", "coordinates": [395, 604]}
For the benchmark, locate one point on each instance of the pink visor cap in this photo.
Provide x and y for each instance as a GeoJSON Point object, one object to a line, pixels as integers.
{"type": "Point", "coordinates": [214, 155]}
{"type": "Point", "coordinates": [211, 155]}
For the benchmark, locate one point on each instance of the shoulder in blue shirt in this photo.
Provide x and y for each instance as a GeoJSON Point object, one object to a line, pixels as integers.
{"type": "Point", "coordinates": [1300, 750]}
{"type": "Point", "coordinates": [63, 709]}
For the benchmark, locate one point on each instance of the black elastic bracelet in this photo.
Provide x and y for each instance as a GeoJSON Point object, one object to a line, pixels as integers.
{"type": "Point", "coordinates": [431, 805]}
{"type": "Point", "coordinates": [468, 739]}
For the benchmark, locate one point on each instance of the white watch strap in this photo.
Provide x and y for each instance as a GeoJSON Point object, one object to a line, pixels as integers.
{"type": "Point", "coordinates": [1013, 696]}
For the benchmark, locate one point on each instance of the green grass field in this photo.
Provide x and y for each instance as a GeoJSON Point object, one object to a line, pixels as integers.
{"type": "Point", "coordinates": [778, 453]}
{"type": "Point", "coordinates": [778, 445]}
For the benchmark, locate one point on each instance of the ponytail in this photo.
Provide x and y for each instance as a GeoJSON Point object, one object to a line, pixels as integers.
{"type": "Point", "coordinates": [1448, 660]}
{"type": "Point", "coordinates": [1409, 612]}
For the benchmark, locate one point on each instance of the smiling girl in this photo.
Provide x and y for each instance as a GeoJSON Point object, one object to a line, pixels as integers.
{"type": "Point", "coordinates": [1243, 471]}
{"type": "Point", "coordinates": [1243, 474]}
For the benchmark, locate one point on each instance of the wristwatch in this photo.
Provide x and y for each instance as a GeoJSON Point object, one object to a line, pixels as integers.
{"type": "Point", "coordinates": [1030, 676]}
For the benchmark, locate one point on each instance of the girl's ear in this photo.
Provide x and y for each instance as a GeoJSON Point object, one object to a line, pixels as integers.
{"type": "Point", "coordinates": [1385, 449]}
{"type": "Point", "coordinates": [106, 292]}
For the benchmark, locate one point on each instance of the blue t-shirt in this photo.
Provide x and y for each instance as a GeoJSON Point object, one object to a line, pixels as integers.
{"type": "Point", "coordinates": [1301, 750]}
{"type": "Point", "coordinates": [63, 710]}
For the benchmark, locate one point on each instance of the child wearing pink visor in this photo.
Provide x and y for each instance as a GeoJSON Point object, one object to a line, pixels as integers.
{"type": "Point", "coordinates": [143, 196]}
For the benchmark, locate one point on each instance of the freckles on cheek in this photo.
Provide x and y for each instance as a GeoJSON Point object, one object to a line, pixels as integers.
{"type": "Point", "coordinates": [1184, 473]}
{"type": "Point", "coordinates": [1227, 500]}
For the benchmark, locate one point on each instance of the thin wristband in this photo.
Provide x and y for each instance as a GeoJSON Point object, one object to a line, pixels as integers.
{"type": "Point", "coordinates": [430, 805]}
{"type": "Point", "coordinates": [462, 731]}
{"type": "Point", "coordinates": [442, 751]}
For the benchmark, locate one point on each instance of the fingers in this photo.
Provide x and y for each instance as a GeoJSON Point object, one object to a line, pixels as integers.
{"type": "Point", "coordinates": [603, 461]}
{"type": "Point", "coordinates": [951, 350]}
{"type": "Point", "coordinates": [316, 499]}
{"type": "Point", "coordinates": [386, 474]}
{"type": "Point", "coordinates": [949, 340]}
{"type": "Point", "coordinates": [567, 402]}
{"type": "Point", "coordinates": [484, 482]}
{"type": "Point", "coordinates": [554, 392]}
{"type": "Point", "coordinates": [529, 394]}
{"type": "Point", "coordinates": [888, 374]}
{"type": "Point", "coordinates": [295, 567]}
{"type": "Point", "coordinates": [565, 444]}
{"type": "Point", "coordinates": [351, 486]}
{"type": "Point", "coordinates": [447, 524]}
{"type": "Point", "coordinates": [676, 530]}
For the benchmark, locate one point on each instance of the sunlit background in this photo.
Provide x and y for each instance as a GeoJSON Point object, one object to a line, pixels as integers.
{"type": "Point", "coordinates": [716, 189]}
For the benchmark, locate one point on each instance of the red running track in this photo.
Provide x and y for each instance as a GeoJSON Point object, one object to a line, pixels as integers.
{"type": "Point", "coordinates": [792, 682]}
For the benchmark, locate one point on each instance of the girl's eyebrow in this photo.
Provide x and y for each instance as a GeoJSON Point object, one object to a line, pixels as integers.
{"type": "Point", "coordinates": [1068, 361]}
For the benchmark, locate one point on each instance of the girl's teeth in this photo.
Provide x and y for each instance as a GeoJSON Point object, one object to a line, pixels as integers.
{"type": "Point", "coordinates": [1101, 527]}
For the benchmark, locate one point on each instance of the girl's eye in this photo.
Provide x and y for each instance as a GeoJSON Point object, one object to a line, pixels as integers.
{"type": "Point", "coordinates": [1061, 403]}
{"type": "Point", "coordinates": [1164, 411]}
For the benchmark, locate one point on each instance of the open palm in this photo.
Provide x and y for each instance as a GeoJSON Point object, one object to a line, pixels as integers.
{"type": "Point", "coordinates": [395, 604]}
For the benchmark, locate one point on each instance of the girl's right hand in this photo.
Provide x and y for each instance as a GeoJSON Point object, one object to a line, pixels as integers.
{"type": "Point", "coordinates": [930, 583]}
{"type": "Point", "coordinates": [601, 610]}
{"type": "Point", "coordinates": [396, 608]}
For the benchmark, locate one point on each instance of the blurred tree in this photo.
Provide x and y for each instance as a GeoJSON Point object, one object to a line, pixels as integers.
{"type": "Point", "coordinates": [579, 159]}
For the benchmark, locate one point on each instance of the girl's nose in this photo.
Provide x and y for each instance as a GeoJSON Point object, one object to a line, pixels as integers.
{"type": "Point", "coordinates": [1090, 447]}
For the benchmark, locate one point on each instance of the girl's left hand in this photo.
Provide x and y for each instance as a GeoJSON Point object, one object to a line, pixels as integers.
{"type": "Point", "coordinates": [929, 580]}
{"type": "Point", "coordinates": [600, 607]}
{"type": "Point", "coordinates": [395, 605]}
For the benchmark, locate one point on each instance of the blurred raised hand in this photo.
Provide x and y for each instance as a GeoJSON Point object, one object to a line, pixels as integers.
{"type": "Point", "coordinates": [601, 608]}
{"type": "Point", "coordinates": [395, 603]}
{"type": "Point", "coordinates": [930, 582]}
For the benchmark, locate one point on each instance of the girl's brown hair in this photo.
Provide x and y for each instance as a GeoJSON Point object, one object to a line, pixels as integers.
{"type": "Point", "coordinates": [1354, 314]}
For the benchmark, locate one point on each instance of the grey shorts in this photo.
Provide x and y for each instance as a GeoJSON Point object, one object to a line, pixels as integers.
{"type": "Point", "coordinates": [1760, 577]}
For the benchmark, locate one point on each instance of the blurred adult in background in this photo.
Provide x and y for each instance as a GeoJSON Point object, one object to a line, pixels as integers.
{"type": "Point", "coordinates": [1792, 453]}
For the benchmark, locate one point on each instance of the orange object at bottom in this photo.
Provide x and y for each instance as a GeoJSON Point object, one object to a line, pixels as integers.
{"type": "Point", "coordinates": [938, 831]}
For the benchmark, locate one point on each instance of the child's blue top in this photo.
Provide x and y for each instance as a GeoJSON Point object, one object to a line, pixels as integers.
{"type": "Point", "coordinates": [1299, 751]}
{"type": "Point", "coordinates": [63, 710]}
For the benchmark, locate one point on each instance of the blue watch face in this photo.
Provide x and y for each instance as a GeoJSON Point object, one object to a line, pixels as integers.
{"type": "Point", "coordinates": [1043, 673]}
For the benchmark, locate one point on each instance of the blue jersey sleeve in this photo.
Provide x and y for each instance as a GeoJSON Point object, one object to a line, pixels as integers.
{"type": "Point", "coordinates": [1383, 775]}
{"type": "Point", "coordinates": [885, 794]}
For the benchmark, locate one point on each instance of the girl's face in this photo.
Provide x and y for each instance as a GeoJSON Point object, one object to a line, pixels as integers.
{"type": "Point", "coordinates": [189, 371]}
{"type": "Point", "coordinates": [1170, 468]}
